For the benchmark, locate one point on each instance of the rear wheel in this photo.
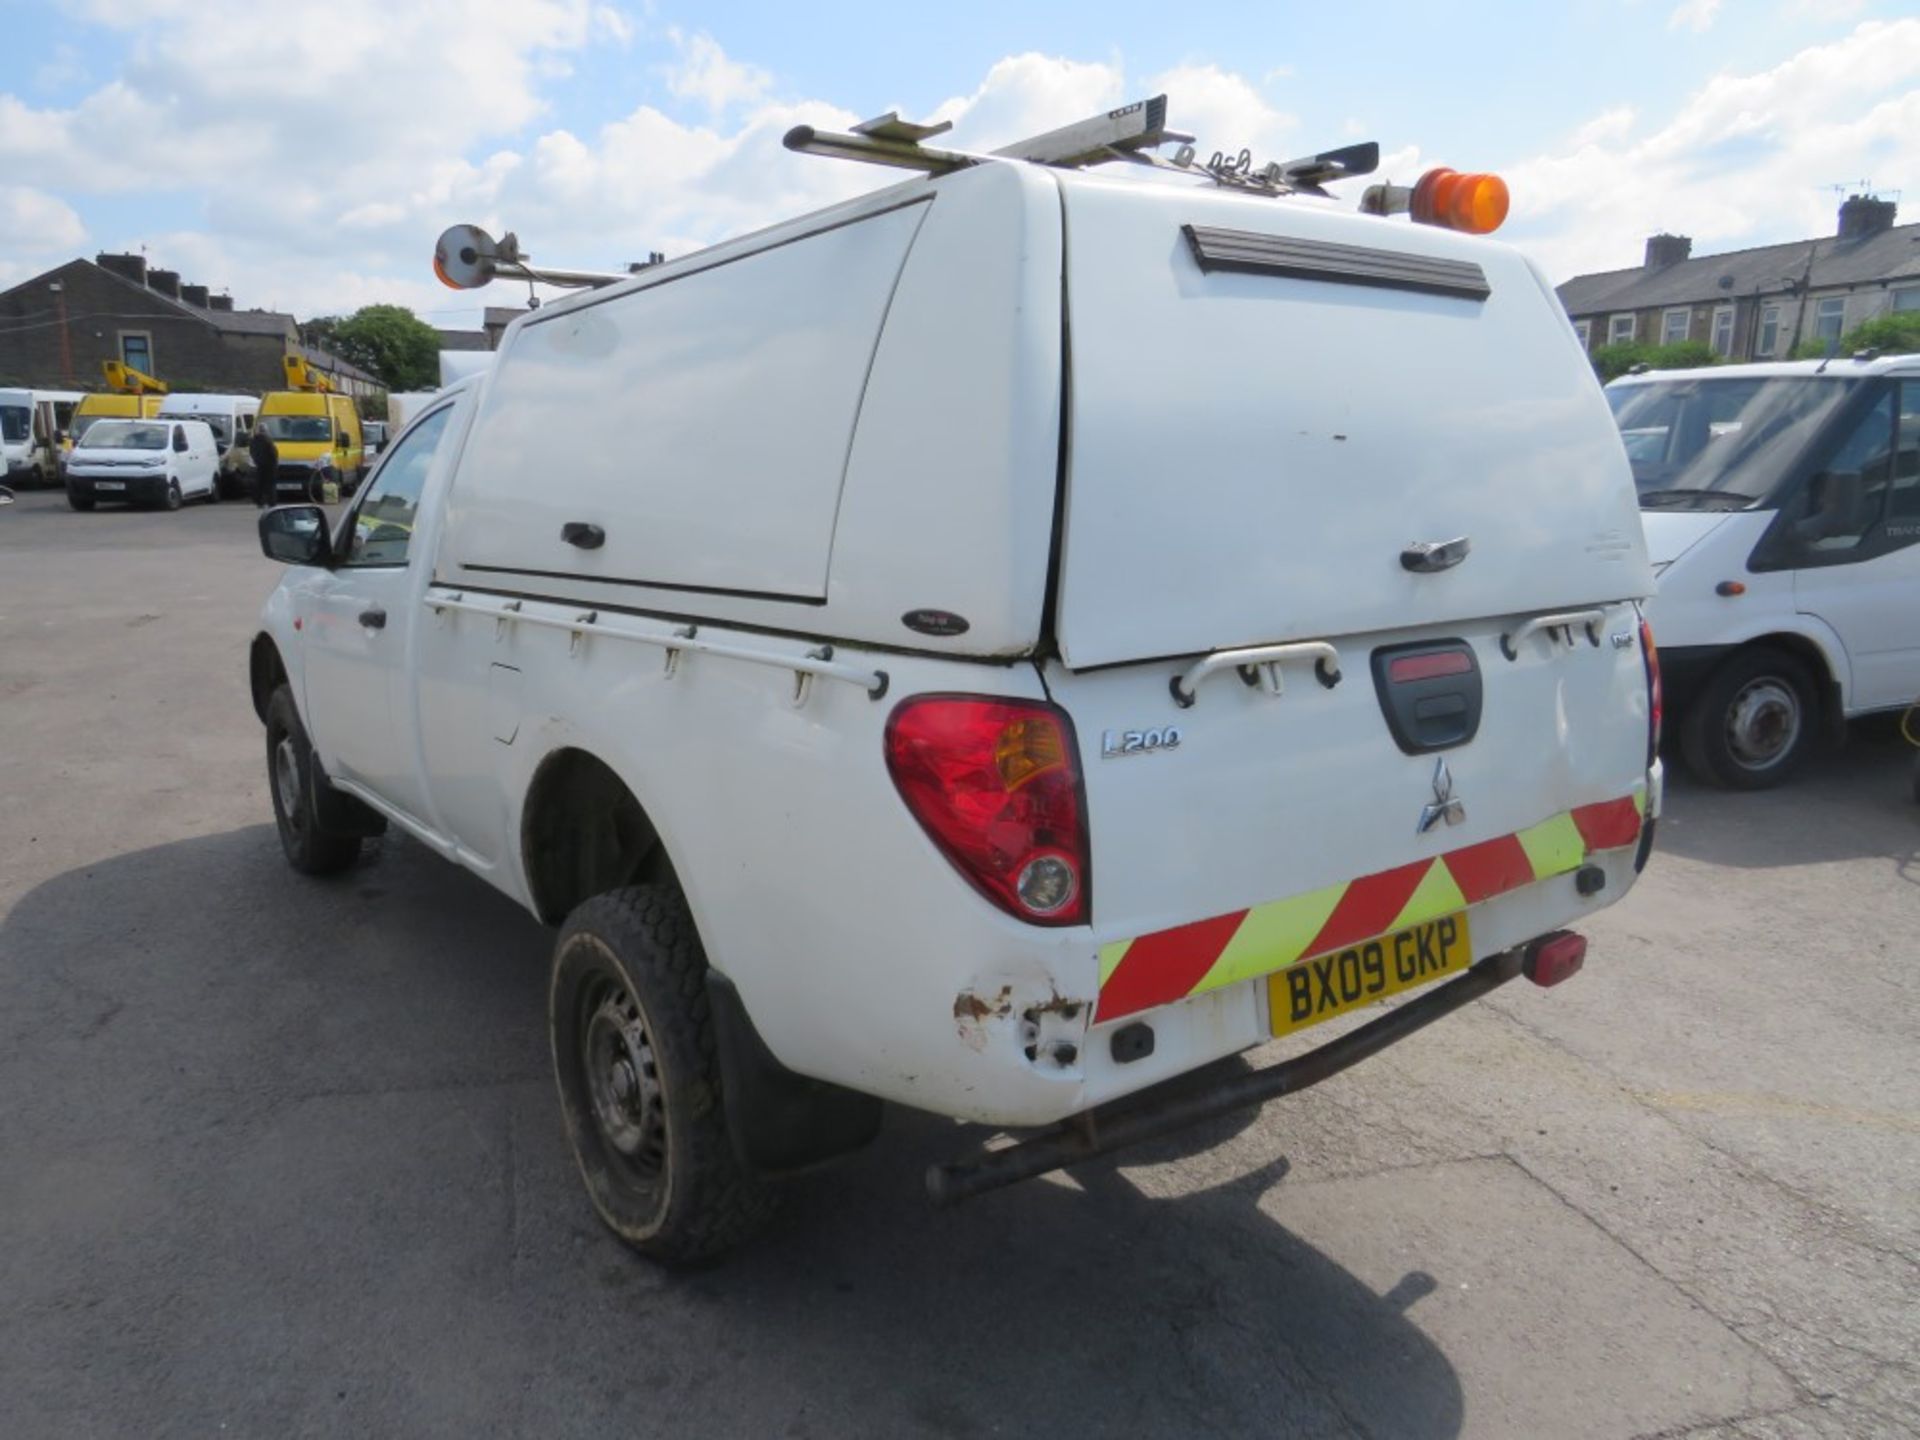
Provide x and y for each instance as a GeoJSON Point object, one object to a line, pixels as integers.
{"type": "Point", "coordinates": [213, 489]}
{"type": "Point", "coordinates": [309, 849]}
{"type": "Point", "coordinates": [634, 1055]}
{"type": "Point", "coordinates": [1753, 724]}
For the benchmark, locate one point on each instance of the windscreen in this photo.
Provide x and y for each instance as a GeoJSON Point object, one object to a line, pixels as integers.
{"type": "Point", "coordinates": [16, 423]}
{"type": "Point", "coordinates": [316, 429]}
{"type": "Point", "coordinates": [126, 435]}
{"type": "Point", "coordinates": [1720, 444]}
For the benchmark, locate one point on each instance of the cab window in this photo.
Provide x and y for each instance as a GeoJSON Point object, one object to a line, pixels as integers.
{"type": "Point", "coordinates": [179, 440]}
{"type": "Point", "coordinates": [1839, 515]}
{"type": "Point", "coordinates": [381, 530]}
{"type": "Point", "coordinates": [1903, 500]}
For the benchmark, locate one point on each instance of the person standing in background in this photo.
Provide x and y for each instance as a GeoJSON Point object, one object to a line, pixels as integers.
{"type": "Point", "coordinates": [266, 465]}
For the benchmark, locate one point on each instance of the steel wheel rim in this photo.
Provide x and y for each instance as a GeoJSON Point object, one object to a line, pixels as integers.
{"type": "Point", "coordinates": [1763, 723]}
{"type": "Point", "coordinates": [622, 1080]}
{"type": "Point", "coordinates": [286, 779]}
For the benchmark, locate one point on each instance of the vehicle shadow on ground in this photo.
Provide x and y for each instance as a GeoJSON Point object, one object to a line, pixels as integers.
{"type": "Point", "coordinates": [260, 1054]}
{"type": "Point", "coordinates": [1847, 804]}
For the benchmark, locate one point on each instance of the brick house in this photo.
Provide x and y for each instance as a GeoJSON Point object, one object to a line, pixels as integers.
{"type": "Point", "coordinates": [1755, 304]}
{"type": "Point", "coordinates": [57, 328]}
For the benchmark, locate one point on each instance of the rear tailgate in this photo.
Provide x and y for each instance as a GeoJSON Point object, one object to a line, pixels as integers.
{"type": "Point", "coordinates": [1250, 453]}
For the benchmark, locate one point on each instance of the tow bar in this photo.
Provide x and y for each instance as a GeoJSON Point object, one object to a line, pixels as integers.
{"type": "Point", "coordinates": [1178, 1103]}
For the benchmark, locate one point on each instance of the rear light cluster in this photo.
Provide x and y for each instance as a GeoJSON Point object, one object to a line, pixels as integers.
{"type": "Point", "coordinates": [996, 785]}
{"type": "Point", "coordinates": [1656, 699]}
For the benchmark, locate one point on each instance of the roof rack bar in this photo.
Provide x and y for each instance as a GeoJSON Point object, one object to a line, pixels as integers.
{"type": "Point", "coordinates": [1139, 126]}
{"type": "Point", "coordinates": [878, 148]}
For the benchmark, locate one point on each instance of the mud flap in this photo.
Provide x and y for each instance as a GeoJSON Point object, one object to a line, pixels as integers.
{"type": "Point", "coordinates": [780, 1122]}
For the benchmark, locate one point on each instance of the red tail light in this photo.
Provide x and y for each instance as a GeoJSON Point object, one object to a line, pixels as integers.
{"type": "Point", "coordinates": [1656, 700]}
{"type": "Point", "coordinates": [996, 785]}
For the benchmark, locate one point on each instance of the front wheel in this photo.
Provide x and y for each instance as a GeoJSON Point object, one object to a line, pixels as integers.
{"type": "Point", "coordinates": [79, 501]}
{"type": "Point", "coordinates": [1753, 724]}
{"type": "Point", "coordinates": [639, 1078]}
{"type": "Point", "coordinates": [310, 850]}
{"type": "Point", "coordinates": [174, 500]}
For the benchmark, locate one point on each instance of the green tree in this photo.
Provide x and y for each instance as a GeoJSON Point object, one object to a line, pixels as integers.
{"type": "Point", "coordinates": [1896, 334]}
{"type": "Point", "coordinates": [1612, 361]}
{"type": "Point", "coordinates": [389, 341]}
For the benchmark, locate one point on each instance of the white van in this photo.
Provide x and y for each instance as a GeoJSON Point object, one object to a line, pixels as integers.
{"type": "Point", "coordinates": [998, 645]}
{"type": "Point", "coordinates": [231, 418]}
{"type": "Point", "coordinates": [143, 462]}
{"type": "Point", "coordinates": [31, 423]}
{"type": "Point", "coordinates": [1782, 512]}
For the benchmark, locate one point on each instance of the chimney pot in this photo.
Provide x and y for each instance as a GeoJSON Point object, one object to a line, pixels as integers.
{"type": "Point", "coordinates": [127, 267]}
{"type": "Point", "coordinates": [220, 302]}
{"type": "Point", "coordinates": [1864, 215]}
{"type": "Point", "coordinates": [1664, 250]}
{"type": "Point", "coordinates": [164, 282]}
{"type": "Point", "coordinates": [194, 295]}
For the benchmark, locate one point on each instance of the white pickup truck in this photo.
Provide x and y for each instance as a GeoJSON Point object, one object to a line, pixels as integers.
{"type": "Point", "coordinates": [999, 645]}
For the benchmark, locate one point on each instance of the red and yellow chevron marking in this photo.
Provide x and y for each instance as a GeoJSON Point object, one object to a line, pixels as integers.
{"type": "Point", "coordinates": [1171, 965]}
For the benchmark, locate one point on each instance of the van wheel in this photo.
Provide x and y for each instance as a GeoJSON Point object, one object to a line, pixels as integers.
{"type": "Point", "coordinates": [213, 491]}
{"type": "Point", "coordinates": [173, 500]}
{"type": "Point", "coordinates": [639, 1078]}
{"type": "Point", "coordinates": [310, 850]}
{"type": "Point", "coordinates": [1752, 725]}
{"type": "Point", "coordinates": [79, 501]}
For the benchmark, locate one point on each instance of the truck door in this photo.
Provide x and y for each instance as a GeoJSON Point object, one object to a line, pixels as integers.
{"type": "Point", "coordinates": [1855, 533]}
{"type": "Point", "coordinates": [359, 699]}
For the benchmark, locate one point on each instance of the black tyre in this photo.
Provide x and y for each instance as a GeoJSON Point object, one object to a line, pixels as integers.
{"type": "Point", "coordinates": [310, 850]}
{"type": "Point", "coordinates": [213, 490]}
{"type": "Point", "coordinates": [639, 1078]}
{"type": "Point", "coordinates": [1754, 722]}
{"type": "Point", "coordinates": [79, 501]}
{"type": "Point", "coordinates": [173, 500]}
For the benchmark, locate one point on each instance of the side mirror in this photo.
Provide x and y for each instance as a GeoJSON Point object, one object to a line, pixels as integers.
{"type": "Point", "coordinates": [296, 535]}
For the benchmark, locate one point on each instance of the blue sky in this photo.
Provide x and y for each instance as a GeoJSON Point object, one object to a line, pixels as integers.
{"type": "Point", "coordinates": [305, 157]}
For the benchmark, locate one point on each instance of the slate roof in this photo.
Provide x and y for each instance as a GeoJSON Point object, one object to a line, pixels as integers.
{"type": "Point", "coordinates": [1892, 254]}
{"type": "Point", "coordinates": [230, 322]}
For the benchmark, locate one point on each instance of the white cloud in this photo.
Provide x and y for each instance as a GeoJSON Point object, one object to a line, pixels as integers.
{"type": "Point", "coordinates": [1026, 95]}
{"type": "Point", "coordinates": [1742, 162]}
{"type": "Point", "coordinates": [36, 223]}
{"type": "Point", "coordinates": [1224, 112]}
{"type": "Point", "coordinates": [1694, 15]}
{"type": "Point", "coordinates": [706, 74]}
{"type": "Point", "coordinates": [338, 145]}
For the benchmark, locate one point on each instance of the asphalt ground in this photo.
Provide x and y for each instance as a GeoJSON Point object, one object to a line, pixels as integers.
{"type": "Point", "coordinates": [281, 1157]}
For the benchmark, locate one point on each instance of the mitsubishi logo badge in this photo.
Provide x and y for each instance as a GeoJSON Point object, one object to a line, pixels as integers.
{"type": "Point", "coordinates": [1444, 806]}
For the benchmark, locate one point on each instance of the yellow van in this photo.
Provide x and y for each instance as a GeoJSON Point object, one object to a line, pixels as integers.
{"type": "Point", "coordinates": [316, 430]}
{"type": "Point", "coordinates": [130, 395]}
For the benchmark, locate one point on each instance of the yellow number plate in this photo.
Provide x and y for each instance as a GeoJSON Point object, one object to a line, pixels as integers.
{"type": "Point", "coordinates": [1314, 990]}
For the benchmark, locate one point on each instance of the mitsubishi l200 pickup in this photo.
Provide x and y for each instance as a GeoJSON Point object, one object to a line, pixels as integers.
{"type": "Point", "coordinates": [1006, 642]}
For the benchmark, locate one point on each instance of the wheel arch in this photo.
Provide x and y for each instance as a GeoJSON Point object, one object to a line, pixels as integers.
{"type": "Point", "coordinates": [1827, 664]}
{"type": "Point", "coordinates": [266, 672]}
{"type": "Point", "coordinates": [583, 831]}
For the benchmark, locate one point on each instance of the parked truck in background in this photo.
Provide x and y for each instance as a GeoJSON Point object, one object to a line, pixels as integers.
{"type": "Point", "coordinates": [317, 432]}
{"type": "Point", "coordinates": [130, 395]}
{"type": "Point", "coordinates": [31, 423]}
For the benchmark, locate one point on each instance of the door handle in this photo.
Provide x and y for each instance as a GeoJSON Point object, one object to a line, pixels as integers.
{"type": "Point", "coordinates": [374, 618]}
{"type": "Point", "coordinates": [585, 536]}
